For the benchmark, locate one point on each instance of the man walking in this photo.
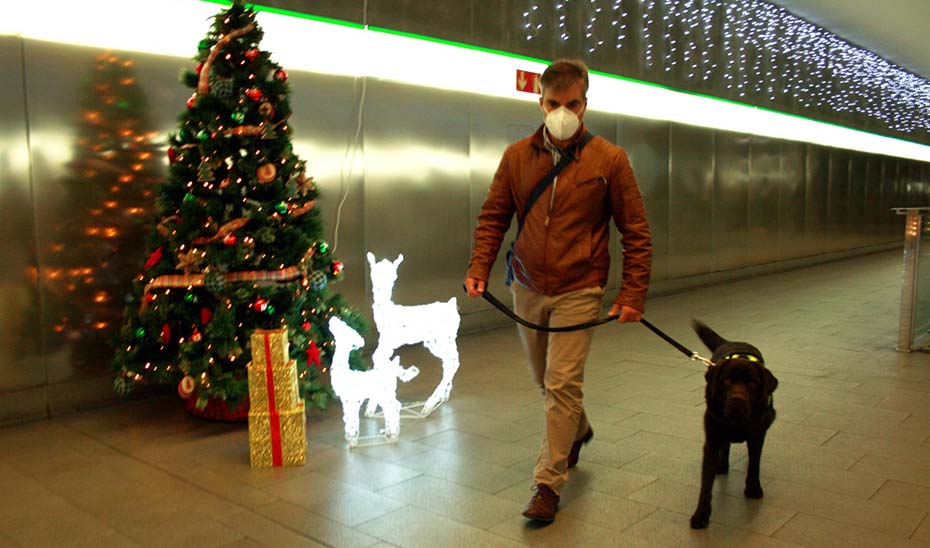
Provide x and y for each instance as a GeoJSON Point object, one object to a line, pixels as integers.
{"type": "Point", "coordinates": [560, 259]}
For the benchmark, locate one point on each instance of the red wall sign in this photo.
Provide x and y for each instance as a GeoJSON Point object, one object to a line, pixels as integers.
{"type": "Point", "coordinates": [528, 81]}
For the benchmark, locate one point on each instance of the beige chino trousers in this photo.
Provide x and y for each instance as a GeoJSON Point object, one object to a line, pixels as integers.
{"type": "Point", "coordinates": [556, 362]}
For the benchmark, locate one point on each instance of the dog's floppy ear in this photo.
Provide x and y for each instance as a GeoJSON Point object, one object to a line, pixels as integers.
{"type": "Point", "coordinates": [769, 382]}
{"type": "Point", "coordinates": [708, 336]}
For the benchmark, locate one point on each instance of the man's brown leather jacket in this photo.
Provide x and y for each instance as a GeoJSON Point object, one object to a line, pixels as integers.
{"type": "Point", "coordinates": [564, 243]}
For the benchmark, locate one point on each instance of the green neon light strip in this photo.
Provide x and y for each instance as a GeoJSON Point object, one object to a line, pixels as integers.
{"type": "Point", "coordinates": [462, 45]}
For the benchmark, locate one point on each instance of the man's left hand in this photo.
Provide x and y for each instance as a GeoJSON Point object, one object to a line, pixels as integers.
{"type": "Point", "coordinates": [627, 314]}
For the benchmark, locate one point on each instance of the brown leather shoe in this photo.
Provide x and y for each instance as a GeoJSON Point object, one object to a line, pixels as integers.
{"type": "Point", "coordinates": [576, 448]}
{"type": "Point", "coordinates": [543, 504]}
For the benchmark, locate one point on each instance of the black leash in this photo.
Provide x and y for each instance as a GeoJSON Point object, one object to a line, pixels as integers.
{"type": "Point", "coordinates": [678, 346]}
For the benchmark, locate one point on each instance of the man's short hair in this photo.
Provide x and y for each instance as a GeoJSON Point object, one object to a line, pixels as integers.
{"type": "Point", "coordinates": [563, 74]}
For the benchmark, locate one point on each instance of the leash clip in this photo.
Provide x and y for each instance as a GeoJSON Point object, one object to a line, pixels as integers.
{"type": "Point", "coordinates": [698, 358]}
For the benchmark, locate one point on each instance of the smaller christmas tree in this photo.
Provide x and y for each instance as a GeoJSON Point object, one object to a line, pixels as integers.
{"type": "Point", "coordinates": [238, 243]}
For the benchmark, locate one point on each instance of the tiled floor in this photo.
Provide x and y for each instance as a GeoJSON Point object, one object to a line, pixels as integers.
{"type": "Point", "coordinates": [847, 462]}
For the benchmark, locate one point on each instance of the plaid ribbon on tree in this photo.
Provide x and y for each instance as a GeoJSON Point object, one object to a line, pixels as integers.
{"type": "Point", "coordinates": [197, 280]}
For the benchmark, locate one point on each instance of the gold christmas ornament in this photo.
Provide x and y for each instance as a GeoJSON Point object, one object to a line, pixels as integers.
{"type": "Point", "coordinates": [266, 109]}
{"type": "Point", "coordinates": [266, 173]}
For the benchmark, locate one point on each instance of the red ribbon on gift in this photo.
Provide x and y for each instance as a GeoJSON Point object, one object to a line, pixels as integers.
{"type": "Point", "coordinates": [273, 416]}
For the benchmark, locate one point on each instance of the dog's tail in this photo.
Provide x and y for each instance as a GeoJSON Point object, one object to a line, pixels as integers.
{"type": "Point", "coordinates": [708, 336]}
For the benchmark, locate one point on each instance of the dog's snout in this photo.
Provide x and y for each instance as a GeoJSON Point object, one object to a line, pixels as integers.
{"type": "Point", "coordinates": [738, 406]}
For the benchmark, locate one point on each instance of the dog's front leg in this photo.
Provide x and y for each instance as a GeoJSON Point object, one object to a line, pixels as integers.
{"type": "Point", "coordinates": [701, 516]}
{"type": "Point", "coordinates": [723, 459]}
{"type": "Point", "coordinates": [754, 446]}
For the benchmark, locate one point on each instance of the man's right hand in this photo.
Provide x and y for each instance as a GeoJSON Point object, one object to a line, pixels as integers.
{"type": "Point", "coordinates": [474, 287]}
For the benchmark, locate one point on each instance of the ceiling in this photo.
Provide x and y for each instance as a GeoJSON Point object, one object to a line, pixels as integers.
{"type": "Point", "coordinates": [893, 29]}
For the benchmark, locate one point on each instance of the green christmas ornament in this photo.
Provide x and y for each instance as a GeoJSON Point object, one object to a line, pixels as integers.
{"type": "Point", "coordinates": [188, 198]}
{"type": "Point", "coordinates": [238, 116]}
{"type": "Point", "coordinates": [317, 280]}
{"type": "Point", "coordinates": [270, 310]}
{"type": "Point", "coordinates": [140, 333]}
{"type": "Point", "coordinates": [190, 298]}
{"type": "Point", "coordinates": [202, 135]}
{"type": "Point", "coordinates": [203, 44]}
{"type": "Point", "coordinates": [281, 208]}
{"type": "Point", "coordinates": [323, 247]}
{"type": "Point", "coordinates": [214, 282]}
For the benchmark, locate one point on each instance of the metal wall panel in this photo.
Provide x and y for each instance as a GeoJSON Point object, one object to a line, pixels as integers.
{"type": "Point", "coordinates": [765, 181]}
{"type": "Point", "coordinates": [647, 145]}
{"type": "Point", "coordinates": [691, 200]}
{"type": "Point", "coordinates": [730, 235]}
{"type": "Point", "coordinates": [21, 362]}
{"type": "Point", "coordinates": [871, 222]}
{"type": "Point", "coordinates": [858, 192]}
{"type": "Point", "coordinates": [417, 187]}
{"type": "Point", "coordinates": [817, 200]}
{"type": "Point", "coordinates": [324, 122]}
{"type": "Point", "coordinates": [792, 204]}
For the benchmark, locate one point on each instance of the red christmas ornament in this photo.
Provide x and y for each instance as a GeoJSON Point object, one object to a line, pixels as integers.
{"type": "Point", "coordinates": [192, 101]}
{"type": "Point", "coordinates": [205, 315]}
{"type": "Point", "coordinates": [337, 267]}
{"type": "Point", "coordinates": [254, 94]}
{"type": "Point", "coordinates": [166, 333]}
{"type": "Point", "coordinates": [313, 355]}
{"type": "Point", "coordinates": [280, 75]}
{"type": "Point", "coordinates": [186, 387]}
{"type": "Point", "coordinates": [260, 304]}
{"type": "Point", "coordinates": [305, 326]}
{"type": "Point", "coordinates": [252, 54]}
{"type": "Point", "coordinates": [230, 239]}
{"type": "Point", "coordinates": [153, 258]}
{"type": "Point", "coordinates": [172, 154]}
{"type": "Point", "coordinates": [199, 67]}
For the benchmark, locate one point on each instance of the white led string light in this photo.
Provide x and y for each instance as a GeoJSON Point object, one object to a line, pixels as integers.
{"type": "Point", "coordinates": [767, 50]}
{"type": "Point", "coordinates": [376, 53]}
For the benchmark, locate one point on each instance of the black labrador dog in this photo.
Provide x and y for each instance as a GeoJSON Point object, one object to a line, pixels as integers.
{"type": "Point", "coordinates": [739, 408]}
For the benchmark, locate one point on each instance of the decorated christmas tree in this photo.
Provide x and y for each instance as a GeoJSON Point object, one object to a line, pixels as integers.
{"type": "Point", "coordinates": [108, 195]}
{"type": "Point", "coordinates": [237, 243]}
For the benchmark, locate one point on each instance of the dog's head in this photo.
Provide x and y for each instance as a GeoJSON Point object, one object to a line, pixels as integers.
{"type": "Point", "coordinates": [739, 382]}
{"type": "Point", "coordinates": [741, 386]}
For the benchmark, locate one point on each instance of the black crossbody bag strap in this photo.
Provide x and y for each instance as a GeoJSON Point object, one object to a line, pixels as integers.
{"type": "Point", "coordinates": [540, 187]}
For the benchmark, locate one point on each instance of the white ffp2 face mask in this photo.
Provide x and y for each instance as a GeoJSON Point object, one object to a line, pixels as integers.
{"type": "Point", "coordinates": [562, 123]}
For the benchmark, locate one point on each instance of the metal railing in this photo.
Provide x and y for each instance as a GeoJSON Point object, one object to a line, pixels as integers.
{"type": "Point", "coordinates": [914, 322]}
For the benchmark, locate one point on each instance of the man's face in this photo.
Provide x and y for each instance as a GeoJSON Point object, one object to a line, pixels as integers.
{"type": "Point", "coordinates": [571, 98]}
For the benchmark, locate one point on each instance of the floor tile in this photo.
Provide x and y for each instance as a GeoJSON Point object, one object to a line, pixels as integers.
{"type": "Point", "coordinates": [808, 530]}
{"type": "Point", "coordinates": [414, 527]}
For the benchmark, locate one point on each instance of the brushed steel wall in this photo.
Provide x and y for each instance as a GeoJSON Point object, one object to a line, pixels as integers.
{"type": "Point", "coordinates": [22, 364]}
{"type": "Point", "coordinates": [406, 171]}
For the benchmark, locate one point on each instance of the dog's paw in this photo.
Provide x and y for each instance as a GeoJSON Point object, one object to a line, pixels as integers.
{"type": "Point", "coordinates": [700, 519]}
{"type": "Point", "coordinates": [753, 491]}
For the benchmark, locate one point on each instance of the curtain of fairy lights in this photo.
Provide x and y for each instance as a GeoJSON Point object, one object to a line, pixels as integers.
{"type": "Point", "coordinates": [756, 51]}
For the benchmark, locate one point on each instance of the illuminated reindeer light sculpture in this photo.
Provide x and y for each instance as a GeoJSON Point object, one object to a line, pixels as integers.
{"type": "Point", "coordinates": [377, 385]}
{"type": "Point", "coordinates": [435, 325]}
